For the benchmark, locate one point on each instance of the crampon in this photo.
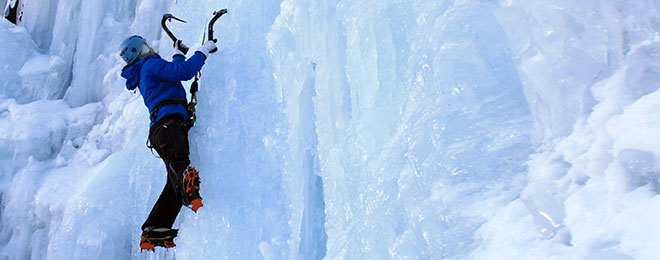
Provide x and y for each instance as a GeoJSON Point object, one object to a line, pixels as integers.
{"type": "Point", "coordinates": [153, 237]}
{"type": "Point", "coordinates": [191, 197]}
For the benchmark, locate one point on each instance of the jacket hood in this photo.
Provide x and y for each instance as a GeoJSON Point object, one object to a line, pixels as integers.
{"type": "Point", "coordinates": [132, 73]}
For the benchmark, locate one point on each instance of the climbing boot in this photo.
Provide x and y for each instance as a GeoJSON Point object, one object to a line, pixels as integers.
{"type": "Point", "coordinates": [191, 197]}
{"type": "Point", "coordinates": [153, 237]}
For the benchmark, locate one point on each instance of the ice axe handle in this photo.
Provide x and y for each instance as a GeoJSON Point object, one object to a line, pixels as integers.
{"type": "Point", "coordinates": [216, 15]}
{"type": "Point", "coordinates": [181, 46]}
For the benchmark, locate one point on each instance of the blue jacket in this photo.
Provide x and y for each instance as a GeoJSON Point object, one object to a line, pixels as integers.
{"type": "Point", "coordinates": [159, 80]}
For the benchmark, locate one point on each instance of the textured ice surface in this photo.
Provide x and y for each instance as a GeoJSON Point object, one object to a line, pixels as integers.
{"type": "Point", "coordinates": [342, 130]}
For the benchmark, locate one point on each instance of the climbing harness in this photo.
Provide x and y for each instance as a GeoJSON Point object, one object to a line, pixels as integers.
{"type": "Point", "coordinates": [175, 101]}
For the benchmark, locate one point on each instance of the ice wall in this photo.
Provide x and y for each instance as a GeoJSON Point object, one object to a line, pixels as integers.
{"type": "Point", "coordinates": [590, 71]}
{"type": "Point", "coordinates": [67, 125]}
{"type": "Point", "coordinates": [419, 124]}
{"type": "Point", "coordinates": [248, 209]}
{"type": "Point", "coordinates": [342, 130]}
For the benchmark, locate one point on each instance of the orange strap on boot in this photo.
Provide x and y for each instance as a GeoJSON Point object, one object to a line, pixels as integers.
{"type": "Point", "coordinates": [192, 188]}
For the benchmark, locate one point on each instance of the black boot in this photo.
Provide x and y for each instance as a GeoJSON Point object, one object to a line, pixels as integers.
{"type": "Point", "coordinates": [153, 237]}
{"type": "Point", "coordinates": [190, 189]}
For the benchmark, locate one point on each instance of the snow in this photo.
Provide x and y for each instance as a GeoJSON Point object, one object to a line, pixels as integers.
{"type": "Point", "coordinates": [342, 130]}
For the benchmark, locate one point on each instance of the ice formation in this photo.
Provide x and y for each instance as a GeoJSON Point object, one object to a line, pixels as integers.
{"type": "Point", "coordinates": [374, 129]}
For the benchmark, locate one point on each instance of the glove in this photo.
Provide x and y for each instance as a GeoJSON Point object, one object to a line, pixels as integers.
{"type": "Point", "coordinates": [180, 48]}
{"type": "Point", "coordinates": [206, 48]}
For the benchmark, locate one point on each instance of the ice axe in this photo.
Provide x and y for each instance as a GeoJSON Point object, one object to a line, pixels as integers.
{"type": "Point", "coordinates": [169, 17]}
{"type": "Point", "coordinates": [216, 15]}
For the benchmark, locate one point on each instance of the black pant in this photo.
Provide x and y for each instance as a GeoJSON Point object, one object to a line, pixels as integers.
{"type": "Point", "coordinates": [169, 136]}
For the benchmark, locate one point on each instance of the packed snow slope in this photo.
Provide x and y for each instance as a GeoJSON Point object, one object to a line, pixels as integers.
{"type": "Point", "coordinates": [375, 129]}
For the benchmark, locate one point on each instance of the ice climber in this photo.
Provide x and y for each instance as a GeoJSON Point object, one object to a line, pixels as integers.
{"type": "Point", "coordinates": [159, 82]}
